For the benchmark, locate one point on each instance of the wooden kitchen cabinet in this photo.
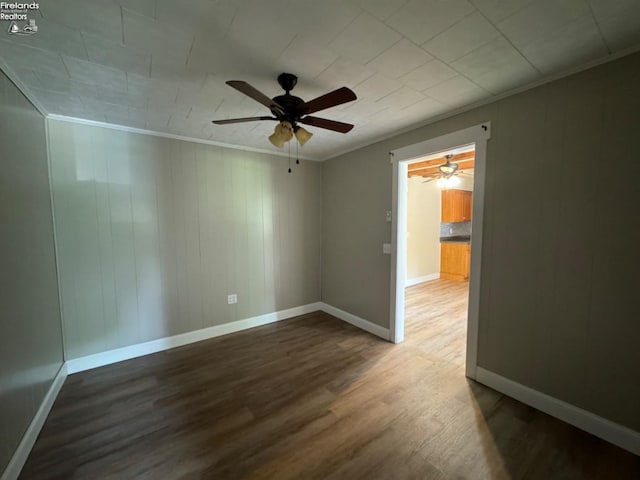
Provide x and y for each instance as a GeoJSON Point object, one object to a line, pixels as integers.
{"type": "Point", "coordinates": [456, 205]}
{"type": "Point", "coordinates": [467, 205]}
{"type": "Point", "coordinates": [455, 261]}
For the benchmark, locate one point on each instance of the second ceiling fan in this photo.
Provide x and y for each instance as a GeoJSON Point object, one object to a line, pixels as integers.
{"type": "Point", "coordinates": [290, 110]}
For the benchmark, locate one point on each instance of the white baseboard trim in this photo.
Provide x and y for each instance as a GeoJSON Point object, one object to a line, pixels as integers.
{"type": "Point", "coordinates": [14, 467]}
{"type": "Point", "coordinates": [425, 278]}
{"type": "Point", "coordinates": [138, 350]}
{"type": "Point", "coordinates": [600, 427]}
{"type": "Point", "coordinates": [355, 321]}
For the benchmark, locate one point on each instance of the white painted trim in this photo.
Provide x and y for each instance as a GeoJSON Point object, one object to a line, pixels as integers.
{"type": "Point", "coordinates": [153, 133]}
{"type": "Point", "coordinates": [610, 431]}
{"type": "Point", "coordinates": [138, 350]}
{"type": "Point", "coordinates": [355, 321]}
{"type": "Point", "coordinates": [14, 467]}
{"type": "Point", "coordinates": [399, 206]}
{"type": "Point", "coordinates": [418, 280]}
{"type": "Point", "coordinates": [466, 136]}
{"type": "Point", "coordinates": [477, 222]}
{"type": "Point", "coordinates": [401, 158]}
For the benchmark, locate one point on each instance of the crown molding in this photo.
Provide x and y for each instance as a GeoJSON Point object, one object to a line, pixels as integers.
{"type": "Point", "coordinates": [486, 101]}
{"type": "Point", "coordinates": [153, 133]}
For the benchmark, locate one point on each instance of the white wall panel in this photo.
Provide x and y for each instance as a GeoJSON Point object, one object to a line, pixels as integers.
{"type": "Point", "coordinates": [123, 240]}
{"type": "Point", "coordinates": [31, 351]}
{"type": "Point", "coordinates": [155, 233]}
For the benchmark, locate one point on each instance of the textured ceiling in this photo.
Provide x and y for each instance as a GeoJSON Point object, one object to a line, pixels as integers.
{"type": "Point", "coordinates": [161, 64]}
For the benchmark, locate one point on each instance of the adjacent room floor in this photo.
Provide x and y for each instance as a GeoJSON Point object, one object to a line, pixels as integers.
{"type": "Point", "coordinates": [308, 398]}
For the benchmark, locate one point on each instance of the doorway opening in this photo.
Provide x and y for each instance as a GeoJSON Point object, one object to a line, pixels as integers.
{"type": "Point", "coordinates": [473, 138]}
{"type": "Point", "coordinates": [439, 212]}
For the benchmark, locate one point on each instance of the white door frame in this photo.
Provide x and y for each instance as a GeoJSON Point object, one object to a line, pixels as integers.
{"type": "Point", "coordinates": [400, 158]}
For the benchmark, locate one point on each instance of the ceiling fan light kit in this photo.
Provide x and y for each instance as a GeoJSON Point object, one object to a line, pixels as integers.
{"type": "Point", "coordinates": [448, 171]}
{"type": "Point", "coordinates": [448, 182]}
{"type": "Point", "coordinates": [281, 134]}
{"type": "Point", "coordinates": [302, 135]}
{"type": "Point", "coordinates": [447, 174]}
{"type": "Point", "coordinates": [290, 110]}
{"type": "Point", "coordinates": [448, 168]}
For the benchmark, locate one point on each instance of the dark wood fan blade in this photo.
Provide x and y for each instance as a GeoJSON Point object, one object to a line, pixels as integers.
{"type": "Point", "coordinates": [328, 100]}
{"type": "Point", "coordinates": [256, 94]}
{"type": "Point", "coordinates": [328, 124]}
{"type": "Point", "coordinates": [241, 120]}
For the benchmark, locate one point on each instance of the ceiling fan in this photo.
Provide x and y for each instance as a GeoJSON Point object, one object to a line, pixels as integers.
{"type": "Point", "coordinates": [290, 110]}
{"type": "Point", "coordinates": [447, 173]}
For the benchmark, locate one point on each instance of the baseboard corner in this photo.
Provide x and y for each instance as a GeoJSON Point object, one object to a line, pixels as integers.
{"type": "Point", "coordinates": [356, 321]}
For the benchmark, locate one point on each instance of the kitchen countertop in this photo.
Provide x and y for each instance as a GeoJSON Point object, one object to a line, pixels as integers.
{"type": "Point", "coordinates": [456, 239]}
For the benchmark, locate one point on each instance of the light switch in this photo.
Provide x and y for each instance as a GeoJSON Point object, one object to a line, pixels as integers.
{"type": "Point", "coordinates": [388, 216]}
{"type": "Point", "coordinates": [386, 248]}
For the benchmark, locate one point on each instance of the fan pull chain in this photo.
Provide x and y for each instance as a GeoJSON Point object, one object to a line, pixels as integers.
{"type": "Point", "coordinates": [289, 156]}
{"type": "Point", "coordinates": [297, 159]}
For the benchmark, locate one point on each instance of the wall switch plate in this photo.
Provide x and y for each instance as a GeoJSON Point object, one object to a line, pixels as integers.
{"type": "Point", "coordinates": [386, 248]}
{"type": "Point", "coordinates": [231, 299]}
{"type": "Point", "coordinates": [388, 215]}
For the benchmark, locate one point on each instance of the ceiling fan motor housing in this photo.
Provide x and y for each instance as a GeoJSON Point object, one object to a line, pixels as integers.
{"type": "Point", "coordinates": [289, 102]}
{"type": "Point", "coordinates": [287, 81]}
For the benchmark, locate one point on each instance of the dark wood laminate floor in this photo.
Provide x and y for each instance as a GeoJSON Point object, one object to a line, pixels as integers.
{"type": "Point", "coordinates": [313, 398]}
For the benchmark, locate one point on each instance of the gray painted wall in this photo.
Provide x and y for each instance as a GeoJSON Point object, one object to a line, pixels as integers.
{"type": "Point", "coordinates": [30, 331]}
{"type": "Point", "coordinates": [153, 234]}
{"type": "Point", "coordinates": [559, 306]}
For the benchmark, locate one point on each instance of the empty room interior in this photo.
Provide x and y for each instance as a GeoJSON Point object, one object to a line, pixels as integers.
{"type": "Point", "coordinates": [341, 239]}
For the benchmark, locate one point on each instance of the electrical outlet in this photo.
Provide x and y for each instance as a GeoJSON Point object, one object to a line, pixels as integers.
{"type": "Point", "coordinates": [231, 299]}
